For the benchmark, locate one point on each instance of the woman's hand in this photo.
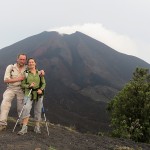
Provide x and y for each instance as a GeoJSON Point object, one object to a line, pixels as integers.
{"type": "Point", "coordinates": [32, 85]}
{"type": "Point", "coordinates": [39, 91]}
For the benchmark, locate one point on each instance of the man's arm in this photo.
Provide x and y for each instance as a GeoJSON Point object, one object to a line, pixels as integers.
{"type": "Point", "coordinates": [13, 80]}
{"type": "Point", "coordinates": [42, 73]}
{"type": "Point", "coordinates": [7, 76]}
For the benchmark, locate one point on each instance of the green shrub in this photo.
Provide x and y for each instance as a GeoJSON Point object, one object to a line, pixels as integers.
{"type": "Point", "coordinates": [130, 108]}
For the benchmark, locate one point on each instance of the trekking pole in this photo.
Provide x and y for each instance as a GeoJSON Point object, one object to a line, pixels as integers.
{"type": "Point", "coordinates": [43, 110]}
{"type": "Point", "coordinates": [21, 111]}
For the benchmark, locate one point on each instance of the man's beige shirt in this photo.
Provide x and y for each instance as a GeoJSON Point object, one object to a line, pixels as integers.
{"type": "Point", "coordinates": [12, 71]}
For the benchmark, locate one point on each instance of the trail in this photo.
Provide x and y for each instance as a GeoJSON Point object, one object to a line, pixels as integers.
{"type": "Point", "coordinates": [61, 138]}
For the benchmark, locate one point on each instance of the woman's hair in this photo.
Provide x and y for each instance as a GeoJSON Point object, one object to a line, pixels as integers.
{"type": "Point", "coordinates": [30, 59]}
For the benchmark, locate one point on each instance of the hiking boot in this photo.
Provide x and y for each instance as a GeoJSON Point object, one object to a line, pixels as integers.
{"type": "Point", "coordinates": [23, 130]}
{"type": "Point", "coordinates": [2, 127]}
{"type": "Point", "coordinates": [37, 130]}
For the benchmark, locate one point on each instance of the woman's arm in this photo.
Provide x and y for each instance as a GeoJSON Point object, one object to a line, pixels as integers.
{"type": "Point", "coordinates": [24, 84]}
{"type": "Point", "coordinates": [43, 83]}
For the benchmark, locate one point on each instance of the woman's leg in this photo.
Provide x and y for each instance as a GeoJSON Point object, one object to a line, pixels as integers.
{"type": "Point", "coordinates": [25, 117]}
{"type": "Point", "coordinates": [37, 114]}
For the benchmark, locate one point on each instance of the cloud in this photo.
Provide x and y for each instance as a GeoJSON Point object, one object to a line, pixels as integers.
{"type": "Point", "coordinates": [144, 48]}
{"type": "Point", "coordinates": [121, 43]}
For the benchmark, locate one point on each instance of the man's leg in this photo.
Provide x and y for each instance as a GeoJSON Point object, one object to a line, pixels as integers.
{"type": "Point", "coordinates": [20, 98]}
{"type": "Point", "coordinates": [5, 106]}
{"type": "Point", "coordinates": [20, 102]}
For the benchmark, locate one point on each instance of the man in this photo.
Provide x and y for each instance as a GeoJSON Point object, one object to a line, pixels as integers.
{"type": "Point", "coordinates": [14, 74]}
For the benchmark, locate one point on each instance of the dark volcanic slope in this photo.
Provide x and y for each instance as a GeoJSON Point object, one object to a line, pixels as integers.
{"type": "Point", "coordinates": [82, 75]}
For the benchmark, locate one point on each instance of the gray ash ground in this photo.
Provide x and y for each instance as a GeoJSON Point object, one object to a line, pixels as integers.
{"type": "Point", "coordinates": [61, 138]}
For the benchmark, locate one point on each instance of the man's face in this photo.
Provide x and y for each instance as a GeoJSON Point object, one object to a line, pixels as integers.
{"type": "Point", "coordinates": [21, 60]}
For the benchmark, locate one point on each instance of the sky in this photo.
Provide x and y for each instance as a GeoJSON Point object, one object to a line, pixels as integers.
{"type": "Point", "coordinates": [121, 24]}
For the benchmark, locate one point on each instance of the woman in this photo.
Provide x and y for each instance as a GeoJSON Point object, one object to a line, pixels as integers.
{"type": "Point", "coordinates": [35, 84]}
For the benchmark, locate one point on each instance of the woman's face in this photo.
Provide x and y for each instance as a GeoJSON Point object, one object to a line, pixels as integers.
{"type": "Point", "coordinates": [31, 64]}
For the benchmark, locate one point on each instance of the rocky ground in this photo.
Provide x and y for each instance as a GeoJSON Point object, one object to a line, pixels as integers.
{"type": "Point", "coordinates": [62, 138]}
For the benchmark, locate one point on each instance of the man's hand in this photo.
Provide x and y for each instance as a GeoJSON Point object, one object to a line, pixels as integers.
{"type": "Point", "coordinates": [20, 78]}
{"type": "Point", "coordinates": [42, 73]}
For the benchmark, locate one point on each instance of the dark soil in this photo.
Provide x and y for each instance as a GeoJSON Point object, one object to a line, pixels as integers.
{"type": "Point", "coordinates": [62, 138]}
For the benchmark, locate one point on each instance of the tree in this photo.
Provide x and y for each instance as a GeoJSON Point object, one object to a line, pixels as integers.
{"type": "Point", "coordinates": [130, 108]}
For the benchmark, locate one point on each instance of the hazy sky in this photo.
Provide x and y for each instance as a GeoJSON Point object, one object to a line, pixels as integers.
{"type": "Point", "coordinates": [121, 24]}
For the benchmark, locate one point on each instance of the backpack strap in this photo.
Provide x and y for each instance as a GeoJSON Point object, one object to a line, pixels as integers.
{"type": "Point", "coordinates": [26, 73]}
{"type": "Point", "coordinates": [12, 69]}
